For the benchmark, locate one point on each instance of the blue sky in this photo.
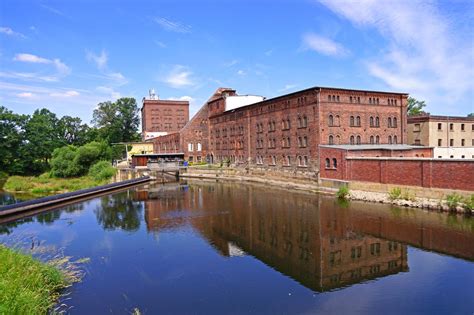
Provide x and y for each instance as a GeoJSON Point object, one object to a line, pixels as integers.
{"type": "Point", "coordinates": [70, 55]}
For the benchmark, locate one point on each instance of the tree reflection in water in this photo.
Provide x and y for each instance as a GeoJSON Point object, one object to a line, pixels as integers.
{"type": "Point", "coordinates": [119, 211]}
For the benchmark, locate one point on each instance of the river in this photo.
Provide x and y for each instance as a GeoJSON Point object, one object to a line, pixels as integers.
{"type": "Point", "coordinates": [233, 248]}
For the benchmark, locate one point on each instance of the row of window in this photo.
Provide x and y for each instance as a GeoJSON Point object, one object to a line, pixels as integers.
{"type": "Point", "coordinates": [355, 121]}
{"type": "Point", "coordinates": [451, 142]}
{"type": "Point", "coordinates": [328, 163]}
{"type": "Point", "coordinates": [451, 127]}
{"type": "Point", "coordinates": [358, 140]}
{"type": "Point", "coordinates": [286, 160]}
{"type": "Point", "coordinates": [285, 142]}
{"type": "Point", "coordinates": [191, 147]}
{"type": "Point", "coordinates": [356, 99]}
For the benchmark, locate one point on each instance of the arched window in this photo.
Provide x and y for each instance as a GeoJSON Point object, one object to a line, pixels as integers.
{"type": "Point", "coordinates": [328, 163]}
{"type": "Point", "coordinates": [389, 122]}
{"type": "Point", "coordinates": [338, 139]}
{"type": "Point", "coordinates": [333, 98]}
{"type": "Point", "coordinates": [352, 121]}
{"type": "Point", "coordinates": [288, 123]}
{"type": "Point", "coordinates": [395, 139]}
{"type": "Point", "coordinates": [331, 120]}
{"type": "Point", "coordinates": [300, 122]}
{"type": "Point", "coordinates": [394, 124]}
{"type": "Point", "coordinates": [329, 98]}
{"type": "Point", "coordinates": [371, 121]}
{"type": "Point", "coordinates": [337, 121]}
{"type": "Point", "coordinates": [377, 122]}
{"type": "Point", "coordinates": [358, 121]}
{"type": "Point", "coordinates": [389, 139]}
{"type": "Point", "coordinates": [305, 121]}
{"type": "Point", "coordinates": [331, 139]}
{"type": "Point", "coordinates": [334, 162]}
{"type": "Point", "coordinates": [358, 139]}
{"type": "Point", "coordinates": [377, 139]}
{"type": "Point", "coordinates": [352, 140]}
{"type": "Point", "coordinates": [371, 139]}
{"type": "Point", "coordinates": [305, 160]}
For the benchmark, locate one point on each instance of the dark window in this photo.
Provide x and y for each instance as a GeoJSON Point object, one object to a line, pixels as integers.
{"type": "Point", "coordinates": [451, 127]}
{"type": "Point", "coordinates": [451, 142]}
{"type": "Point", "coordinates": [351, 121]}
{"type": "Point", "coordinates": [389, 122]}
{"type": "Point", "coordinates": [331, 120]}
{"type": "Point", "coordinates": [439, 126]}
{"type": "Point", "coordinates": [462, 127]}
{"type": "Point", "coordinates": [328, 163]}
{"type": "Point", "coordinates": [371, 121]}
{"type": "Point", "coordinates": [331, 139]}
{"type": "Point", "coordinates": [358, 139]}
{"type": "Point", "coordinates": [440, 142]}
{"type": "Point", "coordinates": [334, 162]}
{"type": "Point", "coordinates": [389, 139]}
{"type": "Point", "coordinates": [463, 142]}
{"type": "Point", "coordinates": [377, 122]}
{"type": "Point", "coordinates": [352, 140]}
{"type": "Point", "coordinates": [358, 121]}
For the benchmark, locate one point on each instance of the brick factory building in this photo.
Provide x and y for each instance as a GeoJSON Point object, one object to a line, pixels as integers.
{"type": "Point", "coordinates": [161, 117]}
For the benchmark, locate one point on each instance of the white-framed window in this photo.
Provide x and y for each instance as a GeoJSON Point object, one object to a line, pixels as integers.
{"type": "Point", "coordinates": [190, 147]}
{"type": "Point", "coordinates": [199, 146]}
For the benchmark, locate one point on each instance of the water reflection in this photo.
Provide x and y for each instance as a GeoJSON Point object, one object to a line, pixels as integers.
{"type": "Point", "coordinates": [119, 211]}
{"type": "Point", "coordinates": [316, 241]}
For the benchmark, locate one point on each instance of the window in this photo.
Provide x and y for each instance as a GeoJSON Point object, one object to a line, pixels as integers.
{"type": "Point", "coordinates": [416, 128]}
{"type": "Point", "coordinates": [331, 139]}
{"type": "Point", "coordinates": [377, 122]}
{"type": "Point", "coordinates": [352, 140]}
{"type": "Point", "coordinates": [350, 99]}
{"type": "Point", "coordinates": [199, 147]}
{"type": "Point", "coordinates": [273, 160]}
{"type": "Point", "coordinates": [328, 163]}
{"type": "Point", "coordinates": [334, 162]}
{"type": "Point", "coordinates": [375, 249]}
{"type": "Point", "coordinates": [358, 121]}
{"type": "Point", "coordinates": [394, 122]}
{"type": "Point", "coordinates": [389, 139]}
{"type": "Point", "coordinates": [395, 140]}
{"type": "Point", "coordinates": [451, 127]}
{"type": "Point", "coordinates": [331, 120]}
{"type": "Point", "coordinates": [371, 121]}
{"type": "Point", "coordinates": [377, 139]}
{"type": "Point", "coordinates": [351, 123]}
{"type": "Point", "coordinates": [389, 122]}
{"type": "Point", "coordinates": [190, 147]}
{"type": "Point", "coordinates": [417, 142]}
{"type": "Point", "coordinates": [372, 139]}
{"type": "Point", "coordinates": [439, 126]}
{"type": "Point", "coordinates": [358, 139]}
{"type": "Point", "coordinates": [463, 142]}
{"type": "Point", "coordinates": [451, 142]}
{"type": "Point", "coordinates": [338, 98]}
{"type": "Point", "coordinates": [329, 98]}
{"type": "Point", "coordinates": [440, 142]}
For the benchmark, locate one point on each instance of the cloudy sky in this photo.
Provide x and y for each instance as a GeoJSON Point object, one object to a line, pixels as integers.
{"type": "Point", "coordinates": [70, 55]}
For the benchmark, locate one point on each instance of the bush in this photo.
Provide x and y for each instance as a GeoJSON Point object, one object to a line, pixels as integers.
{"type": "Point", "coordinates": [408, 195]}
{"type": "Point", "coordinates": [395, 193]}
{"type": "Point", "coordinates": [343, 192]}
{"type": "Point", "coordinates": [91, 153]}
{"type": "Point", "coordinates": [102, 170]}
{"type": "Point", "coordinates": [469, 203]}
{"type": "Point", "coordinates": [453, 200]}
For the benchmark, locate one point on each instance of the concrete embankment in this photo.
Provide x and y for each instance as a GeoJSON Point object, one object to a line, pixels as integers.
{"type": "Point", "coordinates": [34, 206]}
{"type": "Point", "coordinates": [432, 199]}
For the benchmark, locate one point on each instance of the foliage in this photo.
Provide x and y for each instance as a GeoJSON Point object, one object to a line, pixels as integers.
{"type": "Point", "coordinates": [343, 192]}
{"type": "Point", "coordinates": [453, 200]}
{"type": "Point", "coordinates": [27, 286]}
{"type": "Point", "coordinates": [117, 121]}
{"type": "Point", "coordinates": [395, 193]}
{"type": "Point", "coordinates": [102, 170]}
{"type": "Point", "coordinates": [469, 203]}
{"type": "Point", "coordinates": [415, 107]}
{"type": "Point", "coordinates": [44, 185]}
{"type": "Point", "coordinates": [408, 195]}
{"type": "Point", "coordinates": [12, 135]}
{"type": "Point", "coordinates": [73, 131]}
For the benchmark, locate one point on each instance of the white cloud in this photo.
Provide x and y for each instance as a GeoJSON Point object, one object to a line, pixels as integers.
{"type": "Point", "coordinates": [53, 10]}
{"type": "Point", "coordinates": [61, 68]}
{"type": "Point", "coordinates": [179, 77]}
{"type": "Point", "coordinates": [288, 87]}
{"type": "Point", "coordinates": [172, 26]}
{"type": "Point", "coordinates": [25, 76]}
{"type": "Point", "coordinates": [100, 60]}
{"type": "Point", "coordinates": [110, 91]}
{"type": "Point", "coordinates": [323, 45]}
{"type": "Point", "coordinates": [70, 93]}
{"type": "Point", "coordinates": [8, 31]}
{"type": "Point", "coordinates": [269, 52]}
{"type": "Point", "coordinates": [231, 63]}
{"type": "Point", "coordinates": [183, 98]}
{"type": "Point", "coordinates": [160, 44]}
{"type": "Point", "coordinates": [424, 55]}
{"type": "Point", "coordinates": [30, 58]}
{"type": "Point", "coordinates": [241, 72]}
{"type": "Point", "coordinates": [25, 95]}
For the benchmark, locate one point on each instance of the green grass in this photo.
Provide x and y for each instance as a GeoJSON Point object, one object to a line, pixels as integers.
{"type": "Point", "coordinates": [45, 185]}
{"type": "Point", "coordinates": [27, 286]}
{"type": "Point", "coordinates": [343, 192]}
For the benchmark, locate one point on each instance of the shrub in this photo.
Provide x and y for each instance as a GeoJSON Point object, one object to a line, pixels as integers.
{"type": "Point", "coordinates": [102, 170]}
{"type": "Point", "coordinates": [91, 153]}
{"type": "Point", "coordinates": [395, 193]}
{"type": "Point", "coordinates": [469, 203]}
{"type": "Point", "coordinates": [343, 192]}
{"type": "Point", "coordinates": [453, 200]}
{"type": "Point", "coordinates": [63, 162]}
{"type": "Point", "coordinates": [408, 195]}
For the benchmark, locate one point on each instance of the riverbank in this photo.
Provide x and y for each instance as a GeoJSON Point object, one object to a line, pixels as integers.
{"type": "Point", "coordinates": [28, 286]}
{"type": "Point", "coordinates": [444, 200]}
{"type": "Point", "coordinates": [44, 185]}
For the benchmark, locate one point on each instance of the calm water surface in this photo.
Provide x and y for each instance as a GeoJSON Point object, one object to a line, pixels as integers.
{"type": "Point", "coordinates": [230, 248]}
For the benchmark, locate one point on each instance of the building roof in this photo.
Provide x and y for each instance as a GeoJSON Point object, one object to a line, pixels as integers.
{"type": "Point", "coordinates": [355, 147]}
{"type": "Point", "coordinates": [157, 154]}
{"type": "Point", "coordinates": [428, 117]}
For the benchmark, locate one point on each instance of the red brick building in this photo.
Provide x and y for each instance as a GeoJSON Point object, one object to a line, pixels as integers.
{"type": "Point", "coordinates": [161, 117]}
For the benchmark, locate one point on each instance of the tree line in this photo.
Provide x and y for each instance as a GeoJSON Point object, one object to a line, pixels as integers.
{"type": "Point", "coordinates": [27, 142]}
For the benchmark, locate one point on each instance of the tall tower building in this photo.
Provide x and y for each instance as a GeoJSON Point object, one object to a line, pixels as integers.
{"type": "Point", "coordinates": [161, 117]}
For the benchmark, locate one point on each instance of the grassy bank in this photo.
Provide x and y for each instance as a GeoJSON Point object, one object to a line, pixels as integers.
{"type": "Point", "coordinates": [45, 185]}
{"type": "Point", "coordinates": [27, 286]}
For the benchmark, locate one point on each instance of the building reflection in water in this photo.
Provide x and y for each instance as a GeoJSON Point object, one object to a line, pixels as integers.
{"type": "Point", "coordinates": [310, 238]}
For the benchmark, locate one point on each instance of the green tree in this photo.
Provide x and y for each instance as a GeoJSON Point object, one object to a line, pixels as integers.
{"type": "Point", "coordinates": [63, 162]}
{"type": "Point", "coordinates": [470, 115]}
{"type": "Point", "coordinates": [72, 130]}
{"type": "Point", "coordinates": [415, 107]}
{"type": "Point", "coordinates": [90, 153]}
{"type": "Point", "coordinates": [42, 136]}
{"type": "Point", "coordinates": [118, 121]}
{"type": "Point", "coordinates": [12, 137]}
